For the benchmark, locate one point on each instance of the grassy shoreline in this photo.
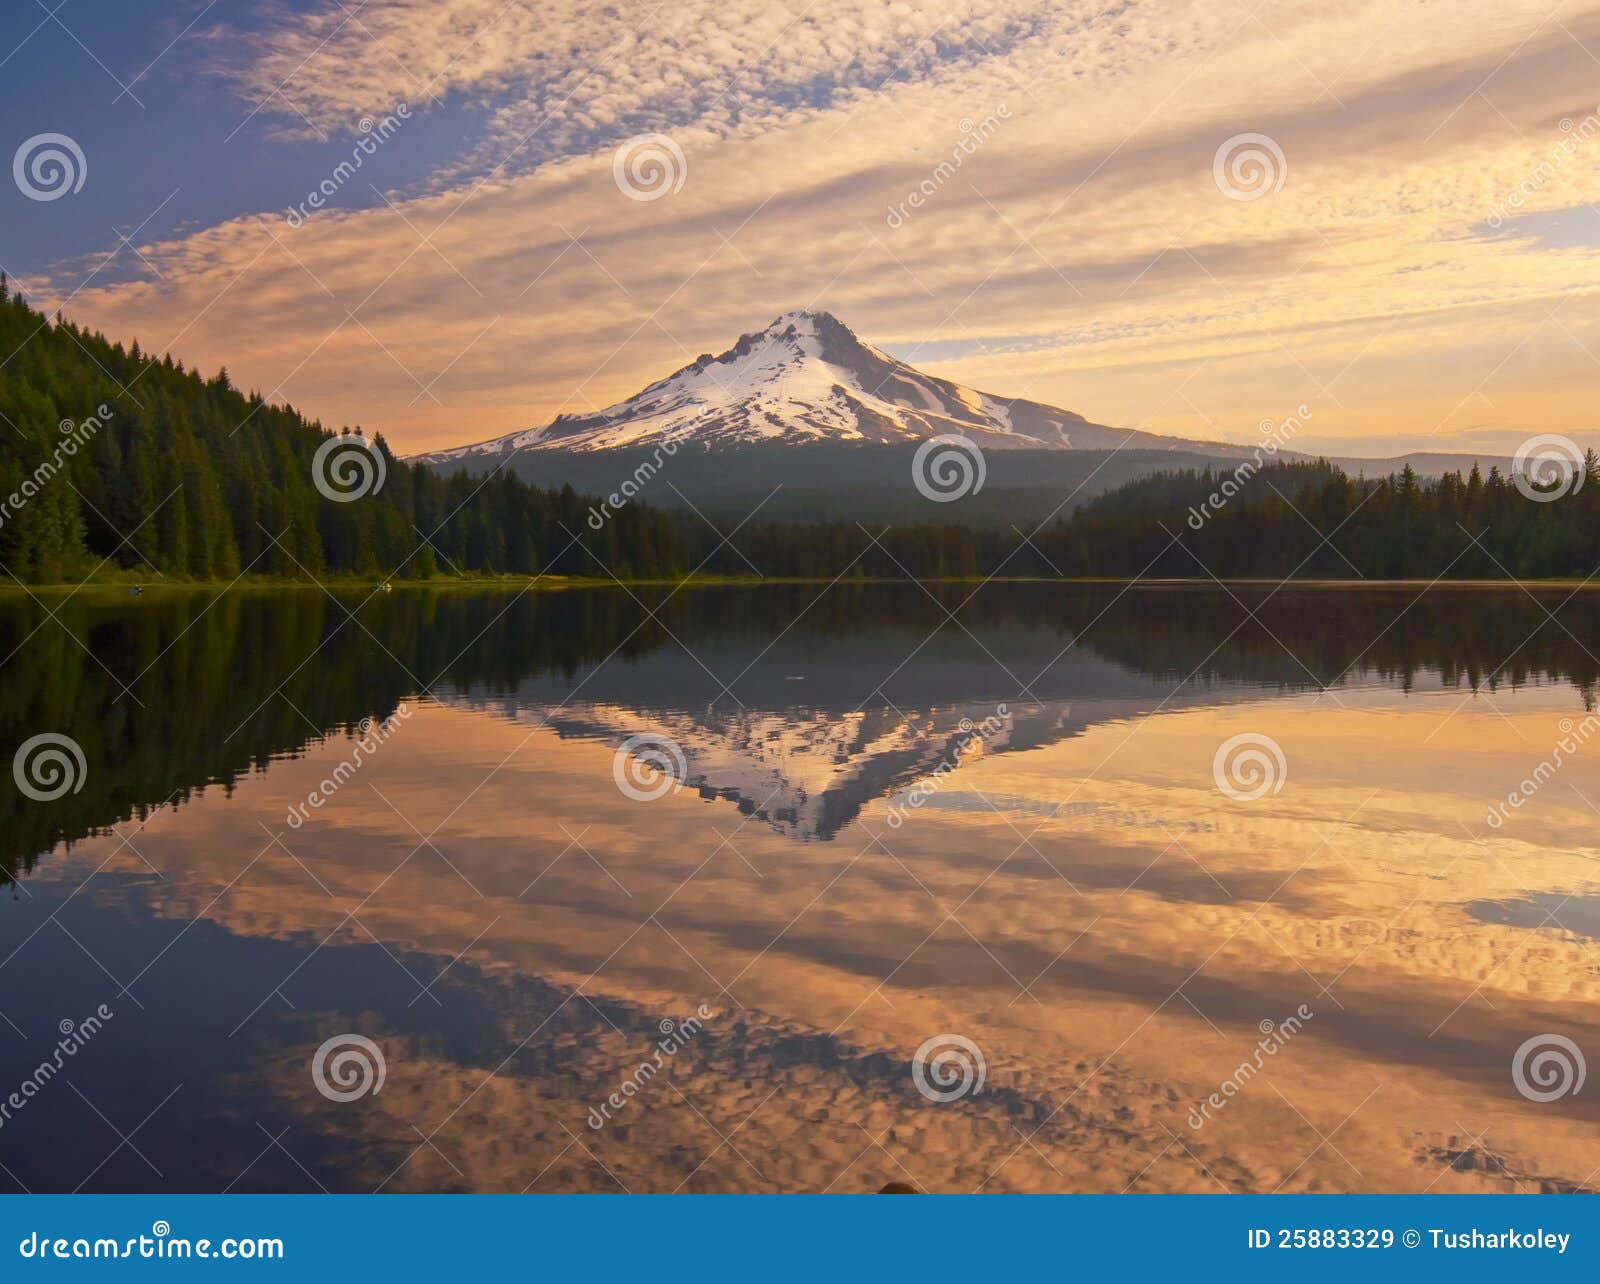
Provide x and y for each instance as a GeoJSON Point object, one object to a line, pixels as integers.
{"type": "Point", "coordinates": [121, 588]}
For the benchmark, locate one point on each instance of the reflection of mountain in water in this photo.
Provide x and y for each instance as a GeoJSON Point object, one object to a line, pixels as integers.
{"type": "Point", "coordinates": [787, 756]}
{"type": "Point", "coordinates": [167, 697]}
{"type": "Point", "coordinates": [807, 772]}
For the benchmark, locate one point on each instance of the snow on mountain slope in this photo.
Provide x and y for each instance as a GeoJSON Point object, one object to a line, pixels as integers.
{"type": "Point", "coordinates": [808, 378]}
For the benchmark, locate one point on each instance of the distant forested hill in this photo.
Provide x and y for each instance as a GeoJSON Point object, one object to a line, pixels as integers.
{"type": "Point", "coordinates": [1314, 520]}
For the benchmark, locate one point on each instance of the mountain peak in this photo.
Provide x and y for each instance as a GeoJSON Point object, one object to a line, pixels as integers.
{"type": "Point", "coordinates": [808, 321]}
{"type": "Point", "coordinates": [802, 318]}
{"type": "Point", "coordinates": [804, 323]}
{"type": "Point", "coordinates": [807, 378]}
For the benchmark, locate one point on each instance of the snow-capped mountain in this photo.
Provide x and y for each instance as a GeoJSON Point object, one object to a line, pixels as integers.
{"type": "Point", "coordinates": [807, 378]}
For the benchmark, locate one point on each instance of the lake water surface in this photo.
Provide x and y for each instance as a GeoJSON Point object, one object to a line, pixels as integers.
{"type": "Point", "coordinates": [1039, 887]}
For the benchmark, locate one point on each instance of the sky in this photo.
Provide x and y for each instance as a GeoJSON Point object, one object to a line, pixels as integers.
{"type": "Point", "coordinates": [1184, 216]}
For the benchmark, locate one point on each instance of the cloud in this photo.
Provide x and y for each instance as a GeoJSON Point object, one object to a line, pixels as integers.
{"type": "Point", "coordinates": [1087, 226]}
{"type": "Point", "coordinates": [557, 78]}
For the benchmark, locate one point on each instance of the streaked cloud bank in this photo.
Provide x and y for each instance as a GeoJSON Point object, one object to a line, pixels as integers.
{"type": "Point", "coordinates": [1404, 279]}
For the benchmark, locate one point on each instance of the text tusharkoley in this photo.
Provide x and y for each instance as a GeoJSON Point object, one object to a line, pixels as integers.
{"type": "Point", "coordinates": [1476, 1238]}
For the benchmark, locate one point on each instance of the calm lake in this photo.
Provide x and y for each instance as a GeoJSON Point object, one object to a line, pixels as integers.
{"type": "Point", "coordinates": [1039, 887]}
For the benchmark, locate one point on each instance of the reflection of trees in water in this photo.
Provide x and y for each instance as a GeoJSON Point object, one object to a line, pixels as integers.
{"type": "Point", "coordinates": [1483, 639]}
{"type": "Point", "coordinates": [168, 697]}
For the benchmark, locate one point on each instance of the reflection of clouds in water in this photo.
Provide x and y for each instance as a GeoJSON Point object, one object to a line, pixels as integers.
{"type": "Point", "coordinates": [792, 1100]}
{"type": "Point", "coordinates": [1552, 911]}
{"type": "Point", "coordinates": [1084, 815]}
{"type": "Point", "coordinates": [839, 956]}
